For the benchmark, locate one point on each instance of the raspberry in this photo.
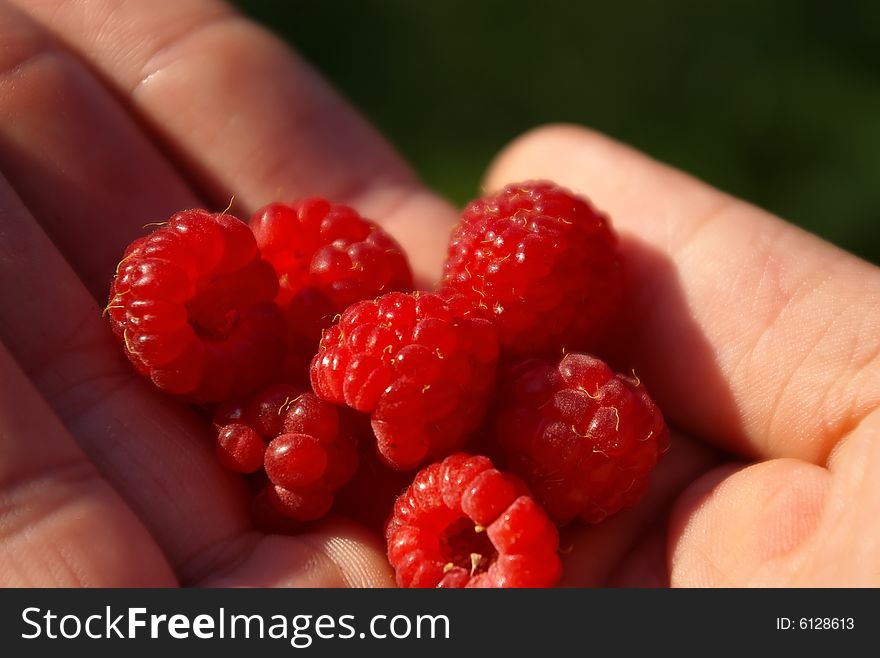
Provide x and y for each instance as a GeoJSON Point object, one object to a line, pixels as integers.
{"type": "Point", "coordinates": [462, 523]}
{"type": "Point", "coordinates": [193, 305]}
{"type": "Point", "coordinates": [584, 439]}
{"type": "Point", "coordinates": [311, 452]}
{"type": "Point", "coordinates": [420, 363]}
{"type": "Point", "coordinates": [542, 262]}
{"type": "Point", "coordinates": [373, 489]}
{"type": "Point", "coordinates": [327, 257]}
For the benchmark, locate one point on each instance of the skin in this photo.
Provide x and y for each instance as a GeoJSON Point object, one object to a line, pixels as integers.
{"type": "Point", "coordinates": [760, 342]}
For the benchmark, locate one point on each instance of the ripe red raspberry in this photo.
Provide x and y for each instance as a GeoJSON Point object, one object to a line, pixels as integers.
{"type": "Point", "coordinates": [327, 257]}
{"type": "Point", "coordinates": [584, 439]}
{"type": "Point", "coordinates": [542, 262]}
{"type": "Point", "coordinates": [311, 452]}
{"type": "Point", "coordinates": [193, 305]}
{"type": "Point", "coordinates": [420, 363]}
{"type": "Point", "coordinates": [462, 523]}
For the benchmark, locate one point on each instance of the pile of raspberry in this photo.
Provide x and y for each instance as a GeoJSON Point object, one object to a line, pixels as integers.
{"type": "Point", "coordinates": [330, 382]}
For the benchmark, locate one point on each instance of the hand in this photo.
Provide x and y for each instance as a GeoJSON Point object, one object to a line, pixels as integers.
{"type": "Point", "coordinates": [756, 338]}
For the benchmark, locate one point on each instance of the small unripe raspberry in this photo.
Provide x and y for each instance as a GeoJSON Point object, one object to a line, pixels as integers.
{"type": "Point", "coordinates": [311, 452]}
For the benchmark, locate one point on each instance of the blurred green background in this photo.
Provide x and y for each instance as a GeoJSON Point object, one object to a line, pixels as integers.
{"type": "Point", "coordinates": [777, 102]}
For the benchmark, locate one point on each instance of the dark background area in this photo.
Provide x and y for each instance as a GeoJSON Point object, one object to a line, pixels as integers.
{"type": "Point", "coordinates": [777, 102]}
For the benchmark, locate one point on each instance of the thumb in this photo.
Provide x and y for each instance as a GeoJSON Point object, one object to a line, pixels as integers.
{"type": "Point", "coordinates": [784, 522]}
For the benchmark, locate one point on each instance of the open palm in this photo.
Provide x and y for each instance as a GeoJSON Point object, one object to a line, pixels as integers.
{"type": "Point", "coordinates": [757, 340]}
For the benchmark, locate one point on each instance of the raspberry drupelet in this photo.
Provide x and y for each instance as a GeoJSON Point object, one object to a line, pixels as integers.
{"type": "Point", "coordinates": [327, 257]}
{"type": "Point", "coordinates": [421, 364]}
{"type": "Point", "coordinates": [462, 523]}
{"type": "Point", "coordinates": [582, 438]}
{"type": "Point", "coordinates": [542, 262]}
{"type": "Point", "coordinates": [307, 450]}
{"type": "Point", "coordinates": [193, 304]}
